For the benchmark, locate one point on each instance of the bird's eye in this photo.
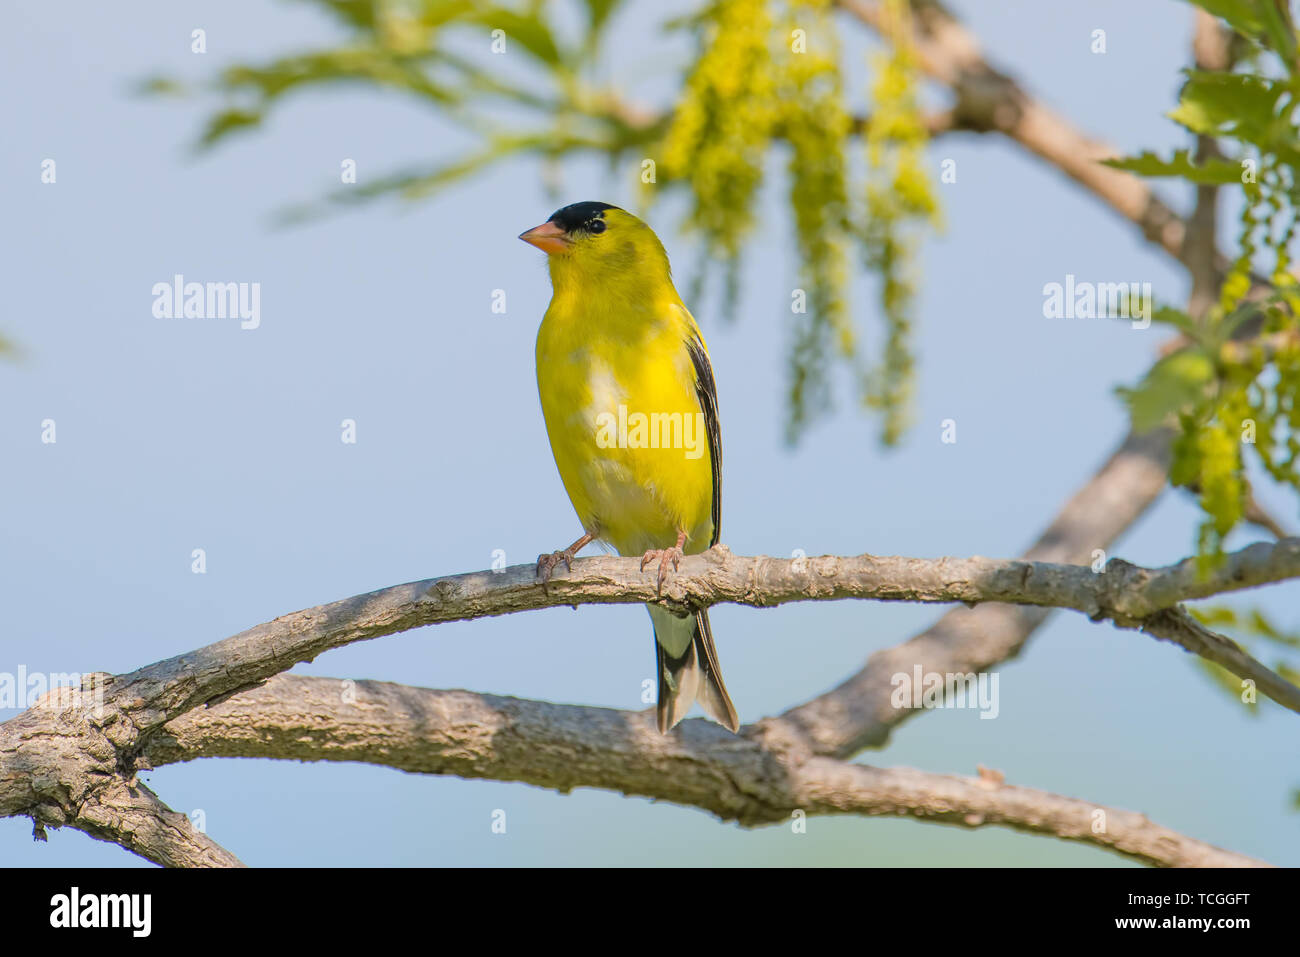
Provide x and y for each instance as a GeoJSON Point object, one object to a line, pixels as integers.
{"type": "Point", "coordinates": [596, 226]}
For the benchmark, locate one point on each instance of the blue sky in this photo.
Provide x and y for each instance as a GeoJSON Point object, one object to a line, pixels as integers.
{"type": "Point", "coordinates": [175, 435]}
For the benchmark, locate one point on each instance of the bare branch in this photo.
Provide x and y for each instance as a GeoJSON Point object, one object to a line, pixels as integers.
{"type": "Point", "coordinates": [1256, 514]}
{"type": "Point", "coordinates": [757, 778]}
{"type": "Point", "coordinates": [856, 713]}
{"type": "Point", "coordinates": [989, 99]}
{"type": "Point", "coordinates": [1212, 50]}
{"type": "Point", "coordinates": [71, 760]}
{"type": "Point", "coordinates": [134, 817]}
{"type": "Point", "coordinates": [1123, 593]}
{"type": "Point", "coordinates": [74, 762]}
{"type": "Point", "coordinates": [1174, 624]}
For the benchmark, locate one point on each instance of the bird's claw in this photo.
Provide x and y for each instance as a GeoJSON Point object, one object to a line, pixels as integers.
{"type": "Point", "coordinates": [665, 555]}
{"type": "Point", "coordinates": [546, 565]}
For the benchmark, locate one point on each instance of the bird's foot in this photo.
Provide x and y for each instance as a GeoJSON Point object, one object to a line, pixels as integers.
{"type": "Point", "coordinates": [664, 555]}
{"type": "Point", "coordinates": [546, 562]}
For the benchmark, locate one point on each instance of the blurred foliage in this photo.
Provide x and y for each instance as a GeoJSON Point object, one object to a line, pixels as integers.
{"type": "Point", "coordinates": [1232, 387]}
{"type": "Point", "coordinates": [767, 78]}
{"type": "Point", "coordinates": [815, 122]}
{"type": "Point", "coordinates": [723, 126]}
{"type": "Point", "coordinates": [900, 198]}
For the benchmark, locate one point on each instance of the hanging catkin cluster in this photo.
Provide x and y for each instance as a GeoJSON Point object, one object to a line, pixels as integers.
{"type": "Point", "coordinates": [770, 71]}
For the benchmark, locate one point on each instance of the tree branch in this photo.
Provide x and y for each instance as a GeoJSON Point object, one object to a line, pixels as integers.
{"type": "Point", "coordinates": [1124, 593]}
{"type": "Point", "coordinates": [757, 778]}
{"type": "Point", "coordinates": [988, 99]}
{"type": "Point", "coordinates": [66, 762]}
{"type": "Point", "coordinates": [134, 817]}
{"type": "Point", "coordinates": [1212, 50]}
{"type": "Point", "coordinates": [1176, 625]}
{"type": "Point", "coordinates": [73, 759]}
{"type": "Point", "coordinates": [856, 714]}
{"type": "Point", "coordinates": [849, 717]}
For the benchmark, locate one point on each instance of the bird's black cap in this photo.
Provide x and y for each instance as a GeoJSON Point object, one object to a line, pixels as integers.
{"type": "Point", "coordinates": [576, 215]}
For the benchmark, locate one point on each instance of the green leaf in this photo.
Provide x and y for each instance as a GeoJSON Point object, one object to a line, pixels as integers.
{"type": "Point", "coordinates": [1223, 330]}
{"type": "Point", "coordinates": [356, 13]}
{"type": "Point", "coordinates": [366, 64]}
{"type": "Point", "coordinates": [474, 80]}
{"type": "Point", "coordinates": [160, 86]}
{"type": "Point", "coordinates": [598, 12]}
{"type": "Point", "coordinates": [1213, 171]}
{"type": "Point", "coordinates": [1244, 16]}
{"type": "Point", "coordinates": [227, 122]}
{"type": "Point", "coordinates": [418, 183]}
{"type": "Point", "coordinates": [1180, 320]}
{"type": "Point", "coordinates": [1265, 21]}
{"type": "Point", "coordinates": [436, 13]}
{"type": "Point", "coordinates": [1281, 30]}
{"type": "Point", "coordinates": [1174, 383]}
{"type": "Point", "coordinates": [1249, 622]}
{"type": "Point", "coordinates": [529, 31]}
{"type": "Point", "coordinates": [1267, 629]}
{"type": "Point", "coordinates": [1287, 672]}
{"type": "Point", "coordinates": [1230, 104]}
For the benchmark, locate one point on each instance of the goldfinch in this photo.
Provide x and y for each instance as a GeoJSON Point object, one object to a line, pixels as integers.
{"type": "Point", "coordinates": [631, 410]}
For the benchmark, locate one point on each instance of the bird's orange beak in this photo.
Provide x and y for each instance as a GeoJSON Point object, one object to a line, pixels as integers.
{"type": "Point", "coordinates": [548, 237]}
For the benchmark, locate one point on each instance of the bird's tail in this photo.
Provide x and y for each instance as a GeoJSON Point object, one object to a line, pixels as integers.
{"type": "Point", "coordinates": [688, 669]}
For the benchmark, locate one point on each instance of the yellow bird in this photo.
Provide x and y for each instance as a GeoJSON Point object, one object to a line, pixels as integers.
{"type": "Point", "coordinates": [632, 413]}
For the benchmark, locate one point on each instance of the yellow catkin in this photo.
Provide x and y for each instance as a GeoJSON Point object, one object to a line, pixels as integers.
{"type": "Point", "coordinates": [722, 126]}
{"type": "Point", "coordinates": [815, 122]}
{"type": "Point", "coordinates": [899, 197]}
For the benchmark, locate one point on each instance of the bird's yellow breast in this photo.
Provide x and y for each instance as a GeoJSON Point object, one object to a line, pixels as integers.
{"type": "Point", "coordinates": [617, 388]}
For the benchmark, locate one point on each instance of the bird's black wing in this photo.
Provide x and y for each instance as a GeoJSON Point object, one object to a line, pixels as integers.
{"type": "Point", "coordinates": [707, 392]}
